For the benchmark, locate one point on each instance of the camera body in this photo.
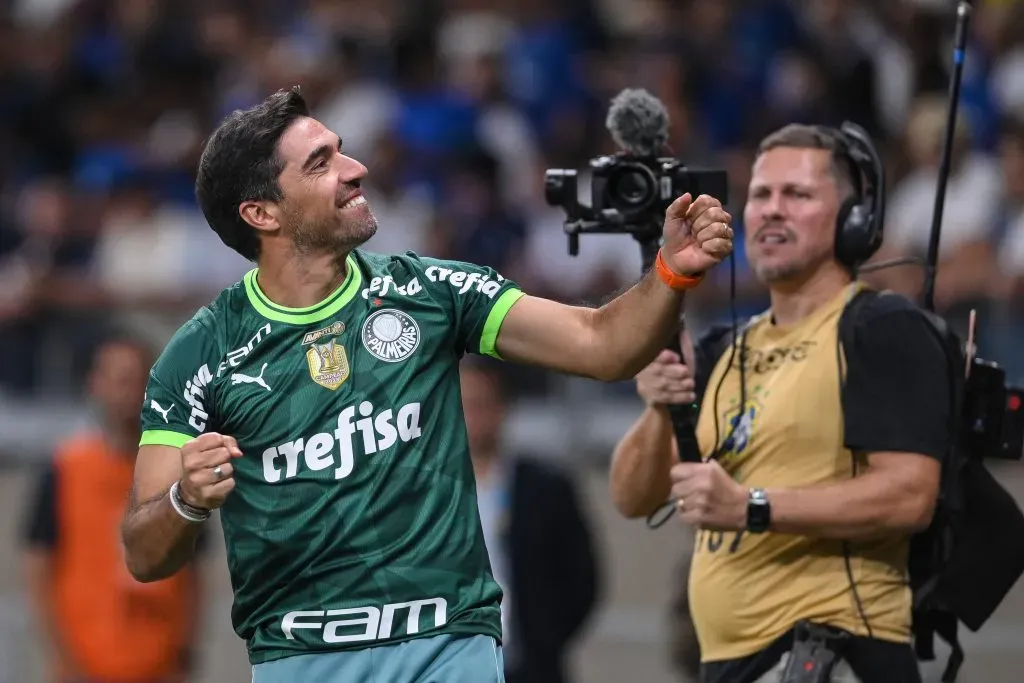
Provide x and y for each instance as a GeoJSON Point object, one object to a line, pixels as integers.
{"type": "Point", "coordinates": [628, 194]}
{"type": "Point", "coordinates": [993, 414]}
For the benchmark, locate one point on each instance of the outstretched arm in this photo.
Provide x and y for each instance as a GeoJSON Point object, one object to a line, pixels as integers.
{"type": "Point", "coordinates": [611, 343]}
{"type": "Point", "coordinates": [617, 340]}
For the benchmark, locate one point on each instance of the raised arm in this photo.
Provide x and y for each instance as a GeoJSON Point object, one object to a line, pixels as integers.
{"type": "Point", "coordinates": [159, 534]}
{"type": "Point", "coordinates": [615, 341]}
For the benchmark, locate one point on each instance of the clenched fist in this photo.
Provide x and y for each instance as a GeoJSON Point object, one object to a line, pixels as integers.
{"type": "Point", "coordinates": [698, 234]}
{"type": "Point", "coordinates": [665, 381]}
{"type": "Point", "coordinates": [206, 462]}
{"type": "Point", "coordinates": [707, 497]}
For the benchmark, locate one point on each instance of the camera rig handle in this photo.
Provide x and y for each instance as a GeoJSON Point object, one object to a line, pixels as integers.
{"type": "Point", "coordinates": [648, 235]}
{"type": "Point", "coordinates": [683, 416]}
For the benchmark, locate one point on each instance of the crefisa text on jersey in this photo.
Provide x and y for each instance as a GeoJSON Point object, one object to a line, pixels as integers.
{"type": "Point", "coordinates": [379, 432]}
{"type": "Point", "coordinates": [458, 279]}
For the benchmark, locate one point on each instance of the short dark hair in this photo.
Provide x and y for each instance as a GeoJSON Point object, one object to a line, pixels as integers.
{"type": "Point", "coordinates": [240, 162]}
{"type": "Point", "coordinates": [804, 136]}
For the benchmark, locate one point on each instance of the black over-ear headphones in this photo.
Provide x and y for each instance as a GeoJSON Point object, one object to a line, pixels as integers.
{"type": "Point", "coordinates": [861, 217]}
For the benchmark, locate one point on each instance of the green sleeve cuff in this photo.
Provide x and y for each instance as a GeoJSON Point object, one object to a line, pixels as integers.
{"type": "Point", "coordinates": [162, 437]}
{"type": "Point", "coordinates": [501, 307]}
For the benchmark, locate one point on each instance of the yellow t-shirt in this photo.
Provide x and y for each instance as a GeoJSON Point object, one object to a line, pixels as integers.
{"type": "Point", "coordinates": [747, 590]}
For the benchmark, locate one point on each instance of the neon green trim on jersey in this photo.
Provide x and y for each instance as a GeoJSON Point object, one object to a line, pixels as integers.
{"type": "Point", "coordinates": [162, 437]}
{"type": "Point", "coordinates": [310, 314]}
{"type": "Point", "coordinates": [501, 307]}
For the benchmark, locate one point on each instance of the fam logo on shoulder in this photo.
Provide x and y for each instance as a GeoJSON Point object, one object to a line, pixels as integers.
{"type": "Point", "coordinates": [390, 335]}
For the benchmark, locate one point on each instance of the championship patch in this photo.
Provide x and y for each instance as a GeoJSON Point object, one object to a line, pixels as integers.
{"type": "Point", "coordinates": [328, 364]}
{"type": "Point", "coordinates": [390, 335]}
{"type": "Point", "coordinates": [334, 330]}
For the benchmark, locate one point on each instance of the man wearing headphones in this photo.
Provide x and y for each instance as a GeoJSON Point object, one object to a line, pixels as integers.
{"type": "Point", "coordinates": [821, 458]}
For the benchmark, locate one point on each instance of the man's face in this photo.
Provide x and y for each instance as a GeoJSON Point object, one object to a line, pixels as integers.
{"type": "Point", "coordinates": [117, 382]}
{"type": "Point", "coordinates": [790, 215]}
{"type": "Point", "coordinates": [322, 208]}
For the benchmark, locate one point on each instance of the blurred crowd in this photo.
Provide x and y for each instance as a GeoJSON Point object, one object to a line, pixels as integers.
{"type": "Point", "coordinates": [458, 107]}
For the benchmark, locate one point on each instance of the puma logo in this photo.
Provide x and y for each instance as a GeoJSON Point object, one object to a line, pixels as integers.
{"type": "Point", "coordinates": [239, 378]}
{"type": "Point", "coordinates": [163, 412]}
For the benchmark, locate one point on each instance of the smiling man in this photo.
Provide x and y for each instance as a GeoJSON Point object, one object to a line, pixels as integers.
{"type": "Point", "coordinates": [317, 405]}
{"type": "Point", "coordinates": [831, 463]}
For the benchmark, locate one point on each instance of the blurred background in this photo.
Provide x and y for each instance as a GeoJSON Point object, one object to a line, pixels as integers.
{"type": "Point", "coordinates": [457, 107]}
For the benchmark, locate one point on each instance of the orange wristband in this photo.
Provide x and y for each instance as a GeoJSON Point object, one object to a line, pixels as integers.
{"type": "Point", "coordinates": [679, 283]}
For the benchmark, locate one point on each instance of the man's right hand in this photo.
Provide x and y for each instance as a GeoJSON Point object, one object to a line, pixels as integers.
{"type": "Point", "coordinates": [665, 381]}
{"type": "Point", "coordinates": [201, 486]}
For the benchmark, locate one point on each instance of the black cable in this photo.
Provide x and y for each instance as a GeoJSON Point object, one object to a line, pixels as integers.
{"type": "Point", "coordinates": [853, 466]}
{"type": "Point", "coordinates": [660, 516]}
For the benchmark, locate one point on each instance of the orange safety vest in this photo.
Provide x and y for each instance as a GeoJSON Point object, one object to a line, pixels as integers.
{"type": "Point", "coordinates": [116, 628]}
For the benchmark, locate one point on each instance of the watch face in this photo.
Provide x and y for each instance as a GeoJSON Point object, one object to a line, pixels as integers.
{"type": "Point", "coordinates": [758, 511]}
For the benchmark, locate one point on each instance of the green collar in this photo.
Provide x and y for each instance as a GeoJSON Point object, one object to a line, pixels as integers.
{"type": "Point", "coordinates": [345, 292]}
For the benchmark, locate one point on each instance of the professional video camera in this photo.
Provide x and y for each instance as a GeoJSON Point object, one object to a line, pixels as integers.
{"type": "Point", "coordinates": [631, 190]}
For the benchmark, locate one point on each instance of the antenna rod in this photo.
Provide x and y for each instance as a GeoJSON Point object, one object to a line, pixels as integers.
{"type": "Point", "coordinates": [963, 17]}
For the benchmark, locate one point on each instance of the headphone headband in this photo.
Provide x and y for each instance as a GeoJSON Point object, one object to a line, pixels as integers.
{"type": "Point", "coordinates": [861, 150]}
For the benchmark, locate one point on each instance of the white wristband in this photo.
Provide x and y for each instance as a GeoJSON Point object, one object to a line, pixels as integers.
{"type": "Point", "coordinates": [185, 510]}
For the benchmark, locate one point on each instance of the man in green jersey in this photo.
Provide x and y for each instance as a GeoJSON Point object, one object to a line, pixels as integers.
{"type": "Point", "coordinates": [316, 403]}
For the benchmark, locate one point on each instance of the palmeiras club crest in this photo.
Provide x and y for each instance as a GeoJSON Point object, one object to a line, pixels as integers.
{"type": "Point", "coordinates": [390, 335]}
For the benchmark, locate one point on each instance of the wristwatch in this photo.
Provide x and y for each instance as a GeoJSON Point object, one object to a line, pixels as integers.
{"type": "Point", "coordinates": [759, 511]}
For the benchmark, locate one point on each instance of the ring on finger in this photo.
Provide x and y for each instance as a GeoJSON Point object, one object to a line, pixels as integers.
{"type": "Point", "coordinates": [218, 472]}
{"type": "Point", "coordinates": [681, 504]}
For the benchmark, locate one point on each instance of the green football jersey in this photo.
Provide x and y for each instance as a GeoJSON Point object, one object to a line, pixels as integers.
{"type": "Point", "coordinates": [354, 517]}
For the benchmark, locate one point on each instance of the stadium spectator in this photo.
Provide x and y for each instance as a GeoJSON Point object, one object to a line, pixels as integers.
{"type": "Point", "coordinates": [1007, 325]}
{"type": "Point", "coordinates": [97, 622]}
{"type": "Point", "coordinates": [538, 538]}
{"type": "Point", "coordinates": [969, 221]}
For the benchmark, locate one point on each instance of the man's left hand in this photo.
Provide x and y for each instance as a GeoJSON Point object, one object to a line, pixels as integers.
{"type": "Point", "coordinates": [698, 234]}
{"type": "Point", "coordinates": [708, 498]}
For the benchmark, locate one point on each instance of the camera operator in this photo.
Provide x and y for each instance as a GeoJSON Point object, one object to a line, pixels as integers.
{"type": "Point", "coordinates": [808, 496]}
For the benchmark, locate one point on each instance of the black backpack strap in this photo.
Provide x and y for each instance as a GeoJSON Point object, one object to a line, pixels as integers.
{"type": "Point", "coordinates": [848, 317]}
{"type": "Point", "coordinates": [928, 620]}
{"type": "Point", "coordinates": [924, 635]}
{"type": "Point", "coordinates": [945, 624]}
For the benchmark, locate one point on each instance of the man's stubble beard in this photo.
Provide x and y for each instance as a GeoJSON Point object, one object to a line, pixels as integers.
{"type": "Point", "coordinates": [787, 272]}
{"type": "Point", "coordinates": [322, 236]}
{"type": "Point", "coordinates": [771, 275]}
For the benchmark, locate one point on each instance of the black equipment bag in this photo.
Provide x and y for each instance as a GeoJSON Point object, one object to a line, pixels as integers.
{"type": "Point", "coordinates": [962, 566]}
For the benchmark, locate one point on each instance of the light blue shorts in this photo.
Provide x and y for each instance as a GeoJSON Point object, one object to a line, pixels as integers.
{"type": "Point", "coordinates": [439, 659]}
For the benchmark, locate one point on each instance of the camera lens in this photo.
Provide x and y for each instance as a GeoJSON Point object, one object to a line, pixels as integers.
{"type": "Point", "coordinates": [632, 188]}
